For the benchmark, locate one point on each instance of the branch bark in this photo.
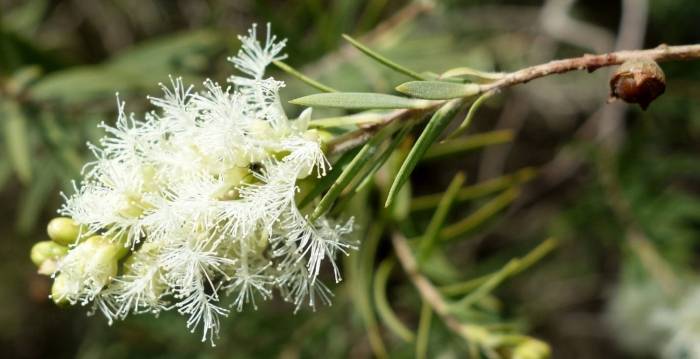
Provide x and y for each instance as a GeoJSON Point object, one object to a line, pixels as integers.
{"type": "Point", "coordinates": [586, 62]}
{"type": "Point", "coordinates": [431, 295]}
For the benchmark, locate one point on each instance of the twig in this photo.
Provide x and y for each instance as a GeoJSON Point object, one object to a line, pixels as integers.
{"type": "Point", "coordinates": [591, 63]}
{"type": "Point", "coordinates": [586, 62]}
{"type": "Point", "coordinates": [432, 296]}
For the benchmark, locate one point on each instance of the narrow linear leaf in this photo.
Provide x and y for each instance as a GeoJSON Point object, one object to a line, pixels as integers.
{"type": "Point", "coordinates": [55, 137]}
{"type": "Point", "coordinates": [433, 129]}
{"type": "Point", "coordinates": [360, 279]}
{"type": "Point", "coordinates": [426, 317]}
{"type": "Point", "coordinates": [350, 171]}
{"type": "Point", "coordinates": [17, 140]}
{"type": "Point", "coordinates": [384, 157]}
{"type": "Point", "coordinates": [383, 307]}
{"type": "Point", "coordinates": [34, 199]}
{"type": "Point", "coordinates": [303, 78]}
{"type": "Point", "coordinates": [465, 144]}
{"type": "Point", "coordinates": [360, 100]}
{"type": "Point", "coordinates": [363, 179]}
{"type": "Point", "coordinates": [524, 263]}
{"type": "Point", "coordinates": [478, 190]}
{"type": "Point", "coordinates": [430, 237]}
{"type": "Point", "coordinates": [469, 72]}
{"type": "Point", "coordinates": [470, 114]}
{"type": "Point", "coordinates": [5, 173]}
{"type": "Point", "coordinates": [383, 60]}
{"type": "Point", "coordinates": [362, 118]}
{"type": "Point", "coordinates": [329, 178]}
{"type": "Point", "coordinates": [489, 285]}
{"type": "Point", "coordinates": [481, 215]}
{"type": "Point", "coordinates": [437, 90]}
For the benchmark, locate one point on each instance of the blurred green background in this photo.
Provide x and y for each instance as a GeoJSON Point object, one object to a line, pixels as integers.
{"type": "Point", "coordinates": [61, 62]}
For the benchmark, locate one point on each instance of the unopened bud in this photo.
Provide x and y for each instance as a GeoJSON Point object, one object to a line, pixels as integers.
{"type": "Point", "coordinates": [63, 230]}
{"type": "Point", "coordinates": [638, 81]}
{"type": "Point", "coordinates": [101, 262]}
{"type": "Point", "coordinates": [61, 289]}
{"type": "Point", "coordinates": [532, 349]}
{"type": "Point", "coordinates": [47, 250]}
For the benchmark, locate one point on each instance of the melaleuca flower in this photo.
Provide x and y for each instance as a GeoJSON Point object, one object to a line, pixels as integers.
{"type": "Point", "coordinates": [193, 207]}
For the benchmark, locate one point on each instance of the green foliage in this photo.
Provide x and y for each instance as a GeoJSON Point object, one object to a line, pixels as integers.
{"type": "Point", "coordinates": [437, 90]}
{"type": "Point", "coordinates": [60, 73]}
{"type": "Point", "coordinates": [437, 124]}
{"type": "Point", "coordinates": [360, 100]}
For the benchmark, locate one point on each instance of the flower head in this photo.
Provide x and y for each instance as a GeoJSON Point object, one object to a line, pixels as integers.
{"type": "Point", "coordinates": [195, 203]}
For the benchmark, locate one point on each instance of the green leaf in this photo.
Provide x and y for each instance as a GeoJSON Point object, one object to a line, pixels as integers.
{"type": "Point", "coordinates": [329, 178]}
{"type": "Point", "coordinates": [362, 118]}
{"type": "Point", "coordinates": [470, 115]}
{"type": "Point", "coordinates": [303, 78]}
{"type": "Point", "coordinates": [523, 264]}
{"type": "Point", "coordinates": [81, 84]}
{"type": "Point", "coordinates": [478, 190]}
{"type": "Point", "coordinates": [431, 233]}
{"type": "Point", "coordinates": [383, 307]}
{"type": "Point", "coordinates": [360, 273]}
{"type": "Point", "coordinates": [34, 200]}
{"type": "Point", "coordinates": [437, 90]}
{"type": "Point", "coordinates": [5, 173]}
{"type": "Point", "coordinates": [27, 17]}
{"type": "Point", "coordinates": [351, 170]}
{"type": "Point", "coordinates": [464, 144]}
{"type": "Point", "coordinates": [383, 60]}
{"type": "Point", "coordinates": [481, 215]}
{"type": "Point", "coordinates": [489, 284]}
{"type": "Point", "coordinates": [436, 125]}
{"type": "Point", "coordinates": [426, 316]}
{"type": "Point", "coordinates": [17, 140]}
{"type": "Point", "coordinates": [384, 157]}
{"type": "Point", "coordinates": [360, 100]}
{"type": "Point", "coordinates": [141, 67]}
{"type": "Point", "coordinates": [469, 72]}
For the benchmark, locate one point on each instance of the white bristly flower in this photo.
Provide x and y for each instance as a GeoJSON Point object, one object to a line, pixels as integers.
{"type": "Point", "coordinates": [193, 207]}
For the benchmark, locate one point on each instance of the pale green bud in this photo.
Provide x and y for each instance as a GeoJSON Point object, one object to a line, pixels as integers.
{"type": "Point", "coordinates": [63, 230]}
{"type": "Point", "coordinates": [60, 290]}
{"type": "Point", "coordinates": [102, 261]}
{"type": "Point", "coordinates": [47, 250]}
{"type": "Point", "coordinates": [532, 349]}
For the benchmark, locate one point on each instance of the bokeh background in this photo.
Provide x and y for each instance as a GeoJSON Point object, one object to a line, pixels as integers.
{"type": "Point", "coordinates": [607, 174]}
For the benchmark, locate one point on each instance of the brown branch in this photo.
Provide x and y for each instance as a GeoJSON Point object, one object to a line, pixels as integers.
{"type": "Point", "coordinates": [431, 295]}
{"type": "Point", "coordinates": [591, 63]}
{"type": "Point", "coordinates": [586, 62]}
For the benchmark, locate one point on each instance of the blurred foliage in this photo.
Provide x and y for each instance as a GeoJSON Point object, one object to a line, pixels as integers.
{"type": "Point", "coordinates": [62, 61]}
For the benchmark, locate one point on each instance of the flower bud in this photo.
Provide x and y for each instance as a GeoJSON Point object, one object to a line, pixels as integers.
{"type": "Point", "coordinates": [61, 289]}
{"type": "Point", "coordinates": [63, 230]}
{"type": "Point", "coordinates": [531, 349]}
{"type": "Point", "coordinates": [101, 264]}
{"type": "Point", "coordinates": [638, 81]}
{"type": "Point", "coordinates": [47, 250]}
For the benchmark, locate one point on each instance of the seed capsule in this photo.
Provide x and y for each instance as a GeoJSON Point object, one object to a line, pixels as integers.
{"type": "Point", "coordinates": [638, 81]}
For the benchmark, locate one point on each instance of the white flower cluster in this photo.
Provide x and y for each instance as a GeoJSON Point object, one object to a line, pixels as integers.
{"type": "Point", "coordinates": [202, 195]}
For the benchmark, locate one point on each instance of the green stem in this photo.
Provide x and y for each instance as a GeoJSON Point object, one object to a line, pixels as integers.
{"type": "Point", "coordinates": [383, 307]}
